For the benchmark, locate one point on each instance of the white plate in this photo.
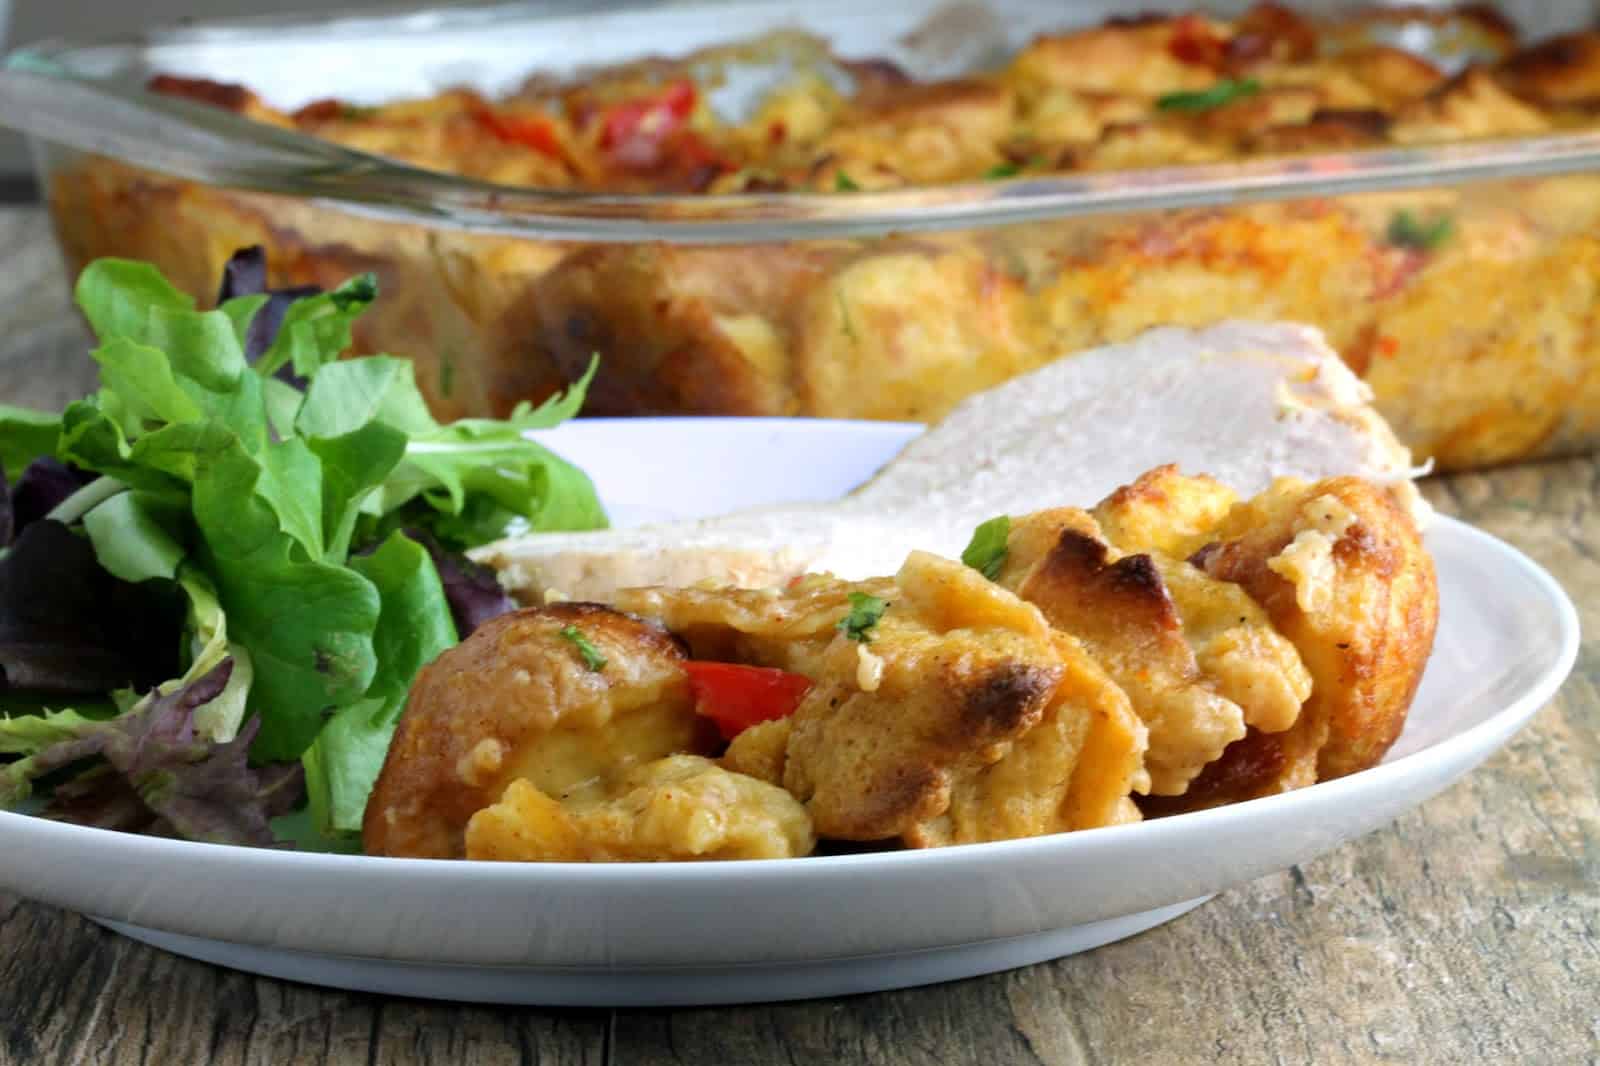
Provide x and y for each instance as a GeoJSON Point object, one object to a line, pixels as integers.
{"type": "Point", "coordinates": [727, 932]}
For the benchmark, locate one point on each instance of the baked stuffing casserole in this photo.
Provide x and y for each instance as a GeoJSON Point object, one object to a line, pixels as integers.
{"type": "Point", "coordinates": [1174, 648]}
{"type": "Point", "coordinates": [1470, 310]}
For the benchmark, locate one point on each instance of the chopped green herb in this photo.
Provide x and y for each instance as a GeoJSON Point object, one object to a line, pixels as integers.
{"type": "Point", "coordinates": [1223, 92]}
{"type": "Point", "coordinates": [864, 613]}
{"type": "Point", "coordinates": [591, 654]}
{"type": "Point", "coordinates": [845, 322]}
{"type": "Point", "coordinates": [843, 183]}
{"type": "Point", "coordinates": [986, 552]}
{"type": "Point", "coordinates": [1015, 263]}
{"type": "Point", "coordinates": [447, 374]}
{"type": "Point", "coordinates": [355, 294]}
{"type": "Point", "coordinates": [1002, 170]}
{"type": "Point", "coordinates": [1408, 231]}
{"type": "Point", "coordinates": [355, 113]}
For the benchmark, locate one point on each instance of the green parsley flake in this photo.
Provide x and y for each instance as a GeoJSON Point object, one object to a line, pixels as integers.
{"type": "Point", "coordinates": [986, 552]}
{"type": "Point", "coordinates": [845, 322]}
{"type": "Point", "coordinates": [1223, 92]}
{"type": "Point", "coordinates": [864, 613]}
{"type": "Point", "coordinates": [591, 654]}
{"type": "Point", "coordinates": [843, 183]}
{"type": "Point", "coordinates": [356, 293]}
{"type": "Point", "coordinates": [1002, 170]}
{"type": "Point", "coordinates": [447, 374]}
{"type": "Point", "coordinates": [1408, 231]}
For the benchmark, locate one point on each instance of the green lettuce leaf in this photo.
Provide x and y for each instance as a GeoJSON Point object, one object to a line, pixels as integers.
{"type": "Point", "coordinates": [220, 719]}
{"type": "Point", "coordinates": [317, 329]}
{"type": "Point", "coordinates": [414, 627]}
{"type": "Point", "coordinates": [25, 435]}
{"type": "Point", "coordinates": [353, 466]}
{"type": "Point", "coordinates": [308, 624]}
{"type": "Point", "coordinates": [476, 480]}
{"type": "Point", "coordinates": [227, 480]}
{"type": "Point", "coordinates": [117, 296]}
{"type": "Point", "coordinates": [139, 535]}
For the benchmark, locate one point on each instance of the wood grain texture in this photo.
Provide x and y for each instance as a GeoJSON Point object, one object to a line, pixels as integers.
{"type": "Point", "coordinates": [1468, 931]}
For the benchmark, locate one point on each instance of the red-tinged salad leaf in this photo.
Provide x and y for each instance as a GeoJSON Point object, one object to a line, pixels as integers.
{"type": "Point", "coordinates": [68, 628]}
{"type": "Point", "coordinates": [198, 509]}
{"type": "Point", "coordinates": [472, 590]}
{"type": "Point", "coordinates": [45, 485]}
{"type": "Point", "coordinates": [152, 771]}
{"type": "Point", "coordinates": [245, 275]}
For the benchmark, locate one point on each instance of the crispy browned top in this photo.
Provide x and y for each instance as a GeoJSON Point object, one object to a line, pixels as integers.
{"type": "Point", "coordinates": [517, 701]}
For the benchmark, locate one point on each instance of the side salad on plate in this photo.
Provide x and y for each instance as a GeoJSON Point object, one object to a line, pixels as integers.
{"type": "Point", "coordinates": [223, 569]}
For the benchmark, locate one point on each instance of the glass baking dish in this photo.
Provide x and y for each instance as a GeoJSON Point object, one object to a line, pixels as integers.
{"type": "Point", "coordinates": [889, 304]}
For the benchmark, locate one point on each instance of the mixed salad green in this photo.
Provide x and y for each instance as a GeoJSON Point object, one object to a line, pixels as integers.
{"type": "Point", "coordinates": [223, 569]}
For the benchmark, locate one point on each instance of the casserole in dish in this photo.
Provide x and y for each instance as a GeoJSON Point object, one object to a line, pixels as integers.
{"type": "Point", "coordinates": [874, 214]}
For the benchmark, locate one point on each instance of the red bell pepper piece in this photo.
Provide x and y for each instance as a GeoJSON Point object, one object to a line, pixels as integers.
{"type": "Point", "coordinates": [737, 697]}
{"type": "Point", "coordinates": [1194, 42]}
{"type": "Point", "coordinates": [634, 131]}
{"type": "Point", "coordinates": [530, 132]}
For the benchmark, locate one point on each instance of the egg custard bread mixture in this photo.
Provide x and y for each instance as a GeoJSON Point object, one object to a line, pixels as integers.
{"type": "Point", "coordinates": [1173, 648]}
{"type": "Point", "coordinates": [1470, 310]}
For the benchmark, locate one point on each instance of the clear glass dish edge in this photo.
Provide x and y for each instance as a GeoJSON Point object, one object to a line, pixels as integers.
{"type": "Point", "coordinates": [41, 96]}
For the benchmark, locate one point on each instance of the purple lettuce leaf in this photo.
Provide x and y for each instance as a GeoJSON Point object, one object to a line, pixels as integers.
{"type": "Point", "coordinates": [43, 486]}
{"type": "Point", "coordinates": [472, 590]}
{"type": "Point", "coordinates": [159, 776]}
{"type": "Point", "coordinates": [246, 275]}
{"type": "Point", "coordinates": [8, 516]}
{"type": "Point", "coordinates": [68, 628]}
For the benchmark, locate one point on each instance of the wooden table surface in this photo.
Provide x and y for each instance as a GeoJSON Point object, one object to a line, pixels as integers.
{"type": "Point", "coordinates": [1468, 931]}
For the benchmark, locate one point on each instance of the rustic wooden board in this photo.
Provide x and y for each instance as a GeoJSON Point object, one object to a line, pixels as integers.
{"type": "Point", "coordinates": [1468, 931]}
